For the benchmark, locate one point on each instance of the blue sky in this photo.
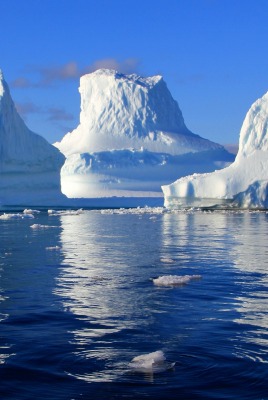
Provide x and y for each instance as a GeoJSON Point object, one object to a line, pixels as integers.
{"type": "Point", "coordinates": [211, 53]}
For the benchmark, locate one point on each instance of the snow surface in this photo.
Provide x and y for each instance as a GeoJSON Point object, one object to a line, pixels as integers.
{"type": "Point", "coordinates": [131, 139]}
{"type": "Point", "coordinates": [29, 165]}
{"type": "Point", "coordinates": [242, 184]}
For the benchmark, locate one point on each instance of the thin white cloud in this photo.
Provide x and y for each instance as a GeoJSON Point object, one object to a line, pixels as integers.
{"type": "Point", "coordinates": [49, 75]}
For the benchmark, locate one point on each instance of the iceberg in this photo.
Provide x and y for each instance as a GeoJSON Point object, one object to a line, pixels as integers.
{"type": "Point", "coordinates": [29, 165]}
{"type": "Point", "coordinates": [131, 139]}
{"type": "Point", "coordinates": [243, 184]}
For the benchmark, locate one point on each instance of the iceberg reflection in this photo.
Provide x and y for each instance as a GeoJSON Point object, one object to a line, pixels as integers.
{"type": "Point", "coordinates": [100, 284]}
{"type": "Point", "coordinates": [252, 261]}
{"type": "Point", "coordinates": [235, 242]}
{"type": "Point", "coordinates": [106, 282]}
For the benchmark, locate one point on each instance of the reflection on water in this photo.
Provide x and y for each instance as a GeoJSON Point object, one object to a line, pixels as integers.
{"type": "Point", "coordinates": [251, 259]}
{"type": "Point", "coordinates": [102, 282]}
{"type": "Point", "coordinates": [105, 281]}
{"type": "Point", "coordinates": [5, 348]}
{"type": "Point", "coordinates": [77, 300]}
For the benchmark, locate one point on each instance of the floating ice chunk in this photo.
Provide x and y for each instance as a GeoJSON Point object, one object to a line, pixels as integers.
{"type": "Point", "coordinates": [39, 226]}
{"type": "Point", "coordinates": [137, 210]}
{"type": "Point", "coordinates": [167, 260]}
{"type": "Point", "coordinates": [29, 211]}
{"type": "Point", "coordinates": [174, 280]}
{"type": "Point", "coordinates": [15, 216]}
{"type": "Point", "coordinates": [153, 363]}
{"type": "Point", "coordinates": [9, 216]}
{"type": "Point", "coordinates": [27, 216]}
{"type": "Point", "coordinates": [53, 248]}
{"type": "Point", "coordinates": [65, 212]}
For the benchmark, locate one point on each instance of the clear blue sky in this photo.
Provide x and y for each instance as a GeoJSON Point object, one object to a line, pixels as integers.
{"type": "Point", "coordinates": [211, 53]}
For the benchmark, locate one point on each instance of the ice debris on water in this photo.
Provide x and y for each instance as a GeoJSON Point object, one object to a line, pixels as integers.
{"type": "Point", "coordinates": [151, 363]}
{"type": "Point", "coordinates": [53, 248]}
{"type": "Point", "coordinates": [167, 260]}
{"type": "Point", "coordinates": [174, 280]}
{"type": "Point", "coordinates": [39, 226]}
{"type": "Point", "coordinates": [29, 211]}
{"type": "Point", "coordinates": [136, 210]}
{"type": "Point", "coordinates": [140, 211]}
{"type": "Point", "coordinates": [65, 212]}
{"type": "Point", "coordinates": [6, 217]}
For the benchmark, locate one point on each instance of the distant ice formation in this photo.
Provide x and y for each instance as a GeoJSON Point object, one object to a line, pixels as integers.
{"type": "Point", "coordinates": [6, 217]}
{"type": "Point", "coordinates": [151, 363]}
{"type": "Point", "coordinates": [243, 184]}
{"type": "Point", "coordinates": [131, 139]}
{"type": "Point", "coordinates": [29, 165]}
{"type": "Point", "coordinates": [64, 212]}
{"type": "Point", "coordinates": [174, 280]}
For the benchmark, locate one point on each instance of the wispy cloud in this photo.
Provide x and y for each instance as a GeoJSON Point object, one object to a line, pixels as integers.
{"type": "Point", "coordinates": [59, 114]}
{"type": "Point", "coordinates": [49, 75]}
{"type": "Point", "coordinates": [55, 114]}
{"type": "Point", "coordinates": [24, 109]}
{"type": "Point", "coordinates": [127, 66]}
{"type": "Point", "coordinates": [21, 82]}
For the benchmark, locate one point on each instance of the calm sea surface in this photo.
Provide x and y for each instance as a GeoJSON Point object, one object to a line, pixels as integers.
{"type": "Point", "coordinates": [78, 303]}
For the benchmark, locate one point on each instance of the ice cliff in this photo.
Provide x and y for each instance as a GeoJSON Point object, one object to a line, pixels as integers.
{"type": "Point", "coordinates": [131, 139]}
{"type": "Point", "coordinates": [244, 183]}
{"type": "Point", "coordinates": [29, 165]}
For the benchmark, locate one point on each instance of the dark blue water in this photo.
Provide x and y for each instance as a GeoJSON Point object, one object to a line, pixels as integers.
{"type": "Point", "coordinates": [77, 303]}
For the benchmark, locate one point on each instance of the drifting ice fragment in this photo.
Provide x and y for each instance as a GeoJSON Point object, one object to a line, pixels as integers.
{"type": "Point", "coordinates": [65, 212]}
{"type": "Point", "coordinates": [39, 226]}
{"type": "Point", "coordinates": [53, 248]}
{"type": "Point", "coordinates": [153, 362]}
{"type": "Point", "coordinates": [174, 280]}
{"type": "Point", "coordinates": [15, 216]}
{"type": "Point", "coordinates": [29, 211]}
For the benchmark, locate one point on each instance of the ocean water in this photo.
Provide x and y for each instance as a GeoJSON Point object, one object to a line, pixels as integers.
{"type": "Point", "coordinates": [78, 303]}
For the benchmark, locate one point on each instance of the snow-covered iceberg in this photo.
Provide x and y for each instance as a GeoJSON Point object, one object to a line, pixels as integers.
{"type": "Point", "coordinates": [131, 139]}
{"type": "Point", "coordinates": [242, 184]}
{"type": "Point", "coordinates": [29, 165]}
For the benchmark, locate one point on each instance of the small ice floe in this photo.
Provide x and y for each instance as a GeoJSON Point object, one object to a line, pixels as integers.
{"type": "Point", "coordinates": [65, 212]}
{"type": "Point", "coordinates": [6, 217]}
{"type": "Point", "coordinates": [175, 280]}
{"type": "Point", "coordinates": [39, 226]}
{"type": "Point", "coordinates": [151, 363]}
{"type": "Point", "coordinates": [137, 211]}
{"type": "Point", "coordinates": [29, 211]}
{"type": "Point", "coordinates": [53, 248]}
{"type": "Point", "coordinates": [167, 260]}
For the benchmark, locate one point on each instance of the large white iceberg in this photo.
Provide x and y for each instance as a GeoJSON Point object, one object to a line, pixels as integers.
{"type": "Point", "coordinates": [244, 183]}
{"type": "Point", "coordinates": [29, 165]}
{"type": "Point", "coordinates": [131, 139]}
